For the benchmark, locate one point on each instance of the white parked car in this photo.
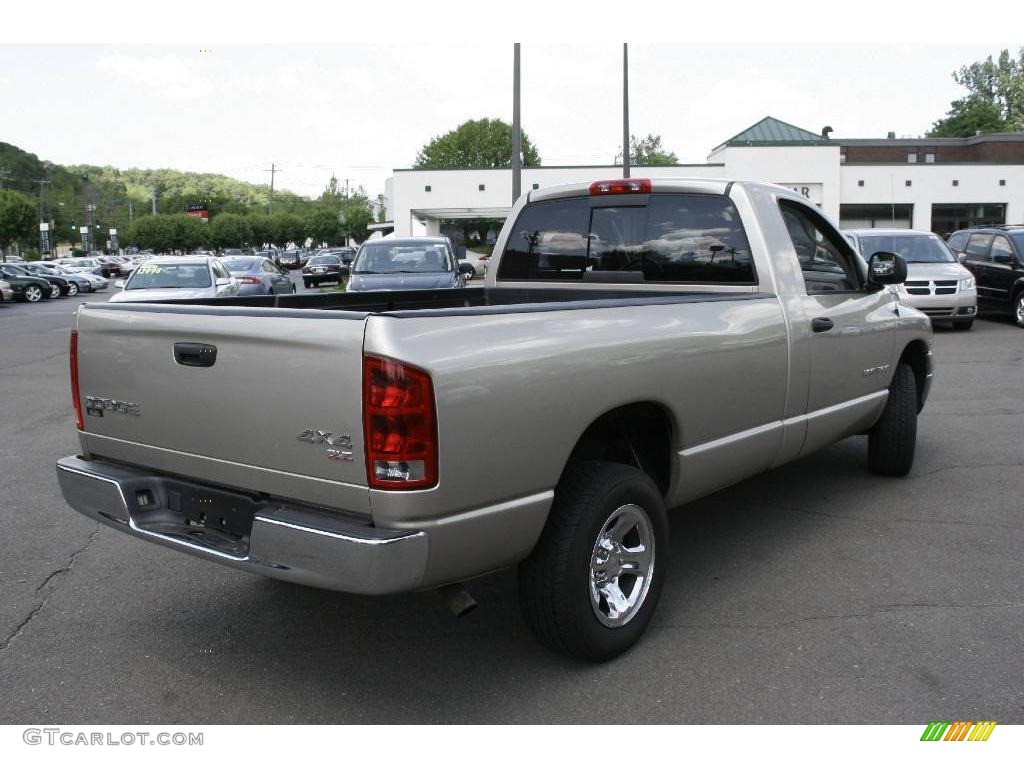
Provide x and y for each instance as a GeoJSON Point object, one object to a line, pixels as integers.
{"type": "Point", "coordinates": [937, 284]}
{"type": "Point", "coordinates": [177, 278]}
{"type": "Point", "coordinates": [476, 260]}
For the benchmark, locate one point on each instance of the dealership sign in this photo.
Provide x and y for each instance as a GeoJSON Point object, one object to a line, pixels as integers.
{"type": "Point", "coordinates": [44, 239]}
{"type": "Point", "coordinates": [811, 190]}
{"type": "Point", "coordinates": [198, 210]}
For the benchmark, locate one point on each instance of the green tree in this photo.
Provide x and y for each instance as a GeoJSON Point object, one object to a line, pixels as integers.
{"type": "Point", "coordinates": [287, 228]}
{"type": "Point", "coordinates": [968, 117]}
{"type": "Point", "coordinates": [358, 213]}
{"type": "Point", "coordinates": [323, 226]}
{"type": "Point", "coordinates": [262, 227]}
{"type": "Point", "coordinates": [169, 232]}
{"type": "Point", "coordinates": [647, 151]}
{"type": "Point", "coordinates": [484, 143]}
{"type": "Point", "coordinates": [229, 230]}
{"type": "Point", "coordinates": [17, 219]}
{"type": "Point", "coordinates": [995, 98]}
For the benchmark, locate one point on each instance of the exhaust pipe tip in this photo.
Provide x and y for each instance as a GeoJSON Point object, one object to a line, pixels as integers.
{"type": "Point", "coordinates": [458, 599]}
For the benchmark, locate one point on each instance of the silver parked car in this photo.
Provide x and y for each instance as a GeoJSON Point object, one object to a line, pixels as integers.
{"type": "Point", "coordinates": [177, 278]}
{"type": "Point", "coordinates": [405, 264]}
{"type": "Point", "coordinates": [937, 284]}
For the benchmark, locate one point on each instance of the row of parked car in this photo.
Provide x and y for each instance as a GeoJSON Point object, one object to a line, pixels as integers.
{"type": "Point", "coordinates": [35, 281]}
{"type": "Point", "coordinates": [977, 269]}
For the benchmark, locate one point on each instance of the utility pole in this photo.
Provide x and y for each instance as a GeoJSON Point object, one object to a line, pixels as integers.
{"type": "Point", "coordinates": [5, 175]}
{"type": "Point", "coordinates": [346, 189]}
{"type": "Point", "coordinates": [42, 183]}
{"type": "Point", "coordinates": [130, 213]}
{"type": "Point", "coordinates": [517, 136]}
{"type": "Point", "coordinates": [152, 196]}
{"type": "Point", "coordinates": [625, 111]}
{"type": "Point", "coordinates": [272, 170]}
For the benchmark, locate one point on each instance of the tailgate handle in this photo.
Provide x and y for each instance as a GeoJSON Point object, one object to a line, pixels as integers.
{"type": "Point", "coordinates": [195, 354]}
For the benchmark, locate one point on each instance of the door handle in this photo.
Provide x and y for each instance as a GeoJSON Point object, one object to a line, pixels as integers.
{"type": "Point", "coordinates": [821, 324]}
{"type": "Point", "coordinates": [195, 354]}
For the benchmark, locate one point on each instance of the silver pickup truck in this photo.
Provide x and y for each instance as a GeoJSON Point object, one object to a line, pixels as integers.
{"type": "Point", "coordinates": [636, 344]}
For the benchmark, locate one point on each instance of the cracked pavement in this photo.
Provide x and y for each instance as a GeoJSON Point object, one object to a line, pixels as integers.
{"type": "Point", "coordinates": [815, 593]}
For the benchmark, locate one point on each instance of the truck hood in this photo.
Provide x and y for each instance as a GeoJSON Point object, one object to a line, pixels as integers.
{"type": "Point", "coordinates": [941, 271]}
{"type": "Point", "coordinates": [156, 294]}
{"type": "Point", "coordinates": [402, 282]}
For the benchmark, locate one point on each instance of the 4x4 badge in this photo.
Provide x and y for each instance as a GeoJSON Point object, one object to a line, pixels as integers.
{"type": "Point", "coordinates": [341, 445]}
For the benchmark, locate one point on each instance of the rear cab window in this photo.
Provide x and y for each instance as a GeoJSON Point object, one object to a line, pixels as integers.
{"type": "Point", "coordinates": [659, 238]}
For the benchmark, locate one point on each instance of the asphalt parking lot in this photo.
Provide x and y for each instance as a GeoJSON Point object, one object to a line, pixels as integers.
{"type": "Point", "coordinates": [815, 593]}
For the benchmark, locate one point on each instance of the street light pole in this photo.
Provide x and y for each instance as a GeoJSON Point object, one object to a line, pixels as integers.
{"type": "Point", "coordinates": [517, 137]}
{"type": "Point", "coordinates": [625, 111]}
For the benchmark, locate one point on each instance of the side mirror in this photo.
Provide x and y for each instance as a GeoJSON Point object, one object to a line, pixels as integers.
{"type": "Point", "coordinates": [119, 283]}
{"type": "Point", "coordinates": [886, 268]}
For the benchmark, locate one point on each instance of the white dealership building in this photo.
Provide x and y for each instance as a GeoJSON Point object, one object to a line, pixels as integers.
{"type": "Point", "coordinates": [929, 184]}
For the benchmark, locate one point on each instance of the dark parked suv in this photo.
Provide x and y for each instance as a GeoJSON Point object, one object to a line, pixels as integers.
{"type": "Point", "coordinates": [995, 255]}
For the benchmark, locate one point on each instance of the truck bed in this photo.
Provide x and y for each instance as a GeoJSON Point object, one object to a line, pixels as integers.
{"type": "Point", "coordinates": [459, 301]}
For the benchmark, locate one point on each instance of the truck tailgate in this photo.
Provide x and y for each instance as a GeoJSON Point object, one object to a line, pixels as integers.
{"type": "Point", "coordinates": [277, 411]}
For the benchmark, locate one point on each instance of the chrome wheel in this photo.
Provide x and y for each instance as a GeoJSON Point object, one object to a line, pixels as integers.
{"type": "Point", "coordinates": [72, 289]}
{"type": "Point", "coordinates": [1019, 309]}
{"type": "Point", "coordinates": [54, 291]}
{"type": "Point", "coordinates": [33, 293]}
{"type": "Point", "coordinates": [621, 565]}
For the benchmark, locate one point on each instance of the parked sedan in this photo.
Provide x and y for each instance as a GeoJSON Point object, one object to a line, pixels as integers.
{"type": "Point", "coordinates": [258, 276]}
{"type": "Point", "coordinates": [57, 286]}
{"type": "Point", "coordinates": [936, 283]}
{"type": "Point", "coordinates": [323, 268]}
{"type": "Point", "coordinates": [478, 261]}
{"type": "Point", "coordinates": [72, 284]}
{"type": "Point", "coordinates": [407, 263]}
{"type": "Point", "coordinates": [177, 278]}
{"type": "Point", "coordinates": [87, 281]}
{"type": "Point", "coordinates": [24, 286]}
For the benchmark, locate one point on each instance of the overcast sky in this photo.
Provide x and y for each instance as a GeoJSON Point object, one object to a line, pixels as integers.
{"type": "Point", "coordinates": [361, 110]}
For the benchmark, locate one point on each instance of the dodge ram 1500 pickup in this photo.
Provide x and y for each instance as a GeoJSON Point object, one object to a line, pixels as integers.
{"type": "Point", "coordinates": [636, 344]}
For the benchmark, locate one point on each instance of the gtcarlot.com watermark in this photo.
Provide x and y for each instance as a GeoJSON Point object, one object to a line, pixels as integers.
{"type": "Point", "coordinates": [68, 738]}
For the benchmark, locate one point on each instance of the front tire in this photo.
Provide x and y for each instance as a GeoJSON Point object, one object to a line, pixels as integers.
{"type": "Point", "coordinates": [54, 291]}
{"type": "Point", "coordinates": [1018, 309]}
{"type": "Point", "coordinates": [72, 289]}
{"type": "Point", "coordinates": [590, 586]}
{"type": "Point", "coordinates": [892, 440]}
{"type": "Point", "coordinates": [33, 294]}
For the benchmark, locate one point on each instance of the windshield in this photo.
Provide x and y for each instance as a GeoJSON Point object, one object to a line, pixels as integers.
{"type": "Point", "coordinates": [385, 259]}
{"type": "Point", "coordinates": [1018, 240]}
{"type": "Point", "coordinates": [158, 276]}
{"type": "Point", "coordinates": [323, 260]}
{"type": "Point", "coordinates": [920, 248]}
{"type": "Point", "coordinates": [239, 265]}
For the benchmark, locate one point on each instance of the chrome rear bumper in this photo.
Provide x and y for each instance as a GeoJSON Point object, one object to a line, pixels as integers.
{"type": "Point", "coordinates": [291, 543]}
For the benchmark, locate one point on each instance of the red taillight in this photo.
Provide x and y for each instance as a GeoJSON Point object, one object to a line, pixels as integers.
{"type": "Point", "coordinates": [306, 270]}
{"type": "Point", "coordinates": [621, 187]}
{"type": "Point", "coordinates": [483, 257]}
{"type": "Point", "coordinates": [399, 425]}
{"type": "Point", "coordinates": [75, 397]}
{"type": "Point", "coordinates": [248, 280]}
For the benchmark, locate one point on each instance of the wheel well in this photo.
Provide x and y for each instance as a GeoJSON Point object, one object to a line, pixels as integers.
{"type": "Point", "coordinates": [916, 356]}
{"type": "Point", "coordinates": [639, 434]}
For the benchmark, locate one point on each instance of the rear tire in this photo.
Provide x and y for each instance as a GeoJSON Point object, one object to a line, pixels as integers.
{"type": "Point", "coordinates": [963, 325]}
{"type": "Point", "coordinates": [54, 291]}
{"type": "Point", "coordinates": [306, 283]}
{"type": "Point", "coordinates": [72, 289]}
{"type": "Point", "coordinates": [604, 518]}
{"type": "Point", "coordinates": [892, 440]}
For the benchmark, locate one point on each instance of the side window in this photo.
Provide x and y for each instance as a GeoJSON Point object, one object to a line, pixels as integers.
{"type": "Point", "coordinates": [548, 242]}
{"type": "Point", "coordinates": [826, 259]}
{"type": "Point", "coordinates": [957, 241]}
{"type": "Point", "coordinates": [219, 270]}
{"type": "Point", "coordinates": [977, 247]}
{"type": "Point", "coordinates": [1001, 252]}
